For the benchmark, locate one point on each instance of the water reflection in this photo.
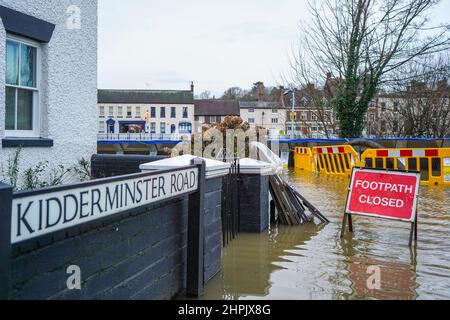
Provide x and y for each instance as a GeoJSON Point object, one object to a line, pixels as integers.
{"type": "Point", "coordinates": [311, 262]}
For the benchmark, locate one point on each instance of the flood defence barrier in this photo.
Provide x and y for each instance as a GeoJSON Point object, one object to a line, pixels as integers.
{"type": "Point", "coordinates": [303, 159]}
{"type": "Point", "coordinates": [433, 164]}
{"type": "Point", "coordinates": [336, 160]}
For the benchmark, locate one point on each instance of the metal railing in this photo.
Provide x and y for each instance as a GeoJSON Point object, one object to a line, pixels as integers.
{"type": "Point", "coordinates": [231, 202]}
{"type": "Point", "coordinates": [142, 137]}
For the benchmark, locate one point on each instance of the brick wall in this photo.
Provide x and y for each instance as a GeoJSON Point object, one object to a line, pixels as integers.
{"type": "Point", "coordinates": [254, 193]}
{"type": "Point", "coordinates": [213, 228]}
{"type": "Point", "coordinates": [105, 166]}
{"type": "Point", "coordinates": [138, 256]}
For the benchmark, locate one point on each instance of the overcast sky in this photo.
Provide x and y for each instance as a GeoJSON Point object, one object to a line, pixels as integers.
{"type": "Point", "coordinates": [166, 44]}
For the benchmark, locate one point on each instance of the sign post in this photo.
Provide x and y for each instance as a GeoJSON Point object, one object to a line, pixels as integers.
{"type": "Point", "coordinates": [383, 194]}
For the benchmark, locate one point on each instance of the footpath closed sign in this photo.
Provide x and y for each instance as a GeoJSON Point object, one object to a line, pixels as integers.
{"type": "Point", "coordinates": [383, 194]}
{"type": "Point", "coordinates": [390, 195]}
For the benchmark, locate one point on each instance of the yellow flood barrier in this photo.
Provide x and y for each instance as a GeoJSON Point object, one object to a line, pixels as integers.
{"type": "Point", "coordinates": [433, 164]}
{"type": "Point", "coordinates": [303, 159]}
{"type": "Point", "coordinates": [336, 160]}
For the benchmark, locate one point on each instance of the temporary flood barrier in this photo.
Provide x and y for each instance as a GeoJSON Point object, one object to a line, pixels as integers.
{"type": "Point", "coordinates": [336, 160]}
{"type": "Point", "coordinates": [303, 159]}
{"type": "Point", "coordinates": [433, 164]}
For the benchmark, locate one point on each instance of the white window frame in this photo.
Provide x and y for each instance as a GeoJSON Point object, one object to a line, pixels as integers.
{"type": "Point", "coordinates": [304, 116]}
{"type": "Point", "coordinates": [251, 110]}
{"type": "Point", "coordinates": [153, 128]}
{"type": "Point", "coordinates": [35, 133]}
{"type": "Point", "coordinates": [101, 111]}
{"type": "Point", "coordinates": [119, 112]}
{"type": "Point", "coordinates": [101, 127]}
{"type": "Point", "coordinates": [138, 113]}
{"type": "Point", "coordinates": [251, 120]}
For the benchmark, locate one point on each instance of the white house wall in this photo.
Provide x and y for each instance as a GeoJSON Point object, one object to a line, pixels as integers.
{"type": "Point", "coordinates": [266, 119]}
{"type": "Point", "coordinates": [68, 95]}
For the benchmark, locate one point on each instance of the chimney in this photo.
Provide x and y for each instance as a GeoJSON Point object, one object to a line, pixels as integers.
{"type": "Point", "coordinates": [442, 84]}
{"type": "Point", "coordinates": [192, 87]}
{"type": "Point", "coordinates": [281, 95]}
{"type": "Point", "coordinates": [310, 87]}
{"type": "Point", "coordinates": [260, 91]}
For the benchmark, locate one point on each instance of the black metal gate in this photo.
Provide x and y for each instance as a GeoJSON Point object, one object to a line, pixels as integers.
{"type": "Point", "coordinates": [231, 203]}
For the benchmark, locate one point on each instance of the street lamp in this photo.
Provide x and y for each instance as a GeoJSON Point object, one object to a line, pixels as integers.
{"type": "Point", "coordinates": [293, 111]}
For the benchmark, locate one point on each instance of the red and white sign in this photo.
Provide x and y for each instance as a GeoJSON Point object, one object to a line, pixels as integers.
{"type": "Point", "coordinates": [389, 195]}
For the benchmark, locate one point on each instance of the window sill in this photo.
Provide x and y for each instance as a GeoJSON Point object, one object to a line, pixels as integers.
{"type": "Point", "coordinates": [27, 142]}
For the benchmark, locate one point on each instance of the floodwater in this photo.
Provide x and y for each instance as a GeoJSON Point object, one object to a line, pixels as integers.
{"type": "Point", "coordinates": [312, 262]}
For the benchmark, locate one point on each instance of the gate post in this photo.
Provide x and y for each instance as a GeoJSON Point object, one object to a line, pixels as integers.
{"type": "Point", "coordinates": [6, 192]}
{"type": "Point", "coordinates": [195, 256]}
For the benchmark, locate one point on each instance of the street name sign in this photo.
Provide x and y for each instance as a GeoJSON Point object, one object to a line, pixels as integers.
{"type": "Point", "coordinates": [37, 213]}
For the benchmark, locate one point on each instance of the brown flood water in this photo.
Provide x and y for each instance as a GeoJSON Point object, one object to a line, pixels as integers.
{"type": "Point", "coordinates": [312, 262]}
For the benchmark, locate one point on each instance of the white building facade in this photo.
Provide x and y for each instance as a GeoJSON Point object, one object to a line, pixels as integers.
{"type": "Point", "coordinates": [158, 112]}
{"type": "Point", "coordinates": [48, 75]}
{"type": "Point", "coordinates": [270, 115]}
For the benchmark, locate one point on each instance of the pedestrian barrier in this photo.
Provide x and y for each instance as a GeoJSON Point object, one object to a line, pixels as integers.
{"type": "Point", "coordinates": [304, 159]}
{"type": "Point", "coordinates": [433, 164]}
{"type": "Point", "coordinates": [336, 160]}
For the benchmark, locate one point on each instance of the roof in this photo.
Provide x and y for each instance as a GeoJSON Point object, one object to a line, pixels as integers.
{"type": "Point", "coordinates": [25, 25]}
{"type": "Point", "coordinates": [260, 105]}
{"type": "Point", "coordinates": [145, 96]}
{"type": "Point", "coordinates": [217, 108]}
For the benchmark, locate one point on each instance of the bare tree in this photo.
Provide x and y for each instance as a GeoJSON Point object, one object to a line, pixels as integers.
{"type": "Point", "coordinates": [204, 95]}
{"type": "Point", "coordinates": [422, 99]}
{"type": "Point", "coordinates": [315, 110]}
{"type": "Point", "coordinates": [362, 42]}
{"type": "Point", "coordinates": [234, 93]}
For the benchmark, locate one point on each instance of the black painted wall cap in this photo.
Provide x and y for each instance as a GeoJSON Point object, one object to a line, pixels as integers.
{"type": "Point", "coordinates": [24, 25]}
{"type": "Point", "coordinates": [27, 142]}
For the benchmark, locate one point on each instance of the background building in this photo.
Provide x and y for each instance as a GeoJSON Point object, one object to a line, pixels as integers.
{"type": "Point", "coordinates": [419, 110]}
{"type": "Point", "coordinates": [48, 75]}
{"type": "Point", "coordinates": [270, 115]}
{"type": "Point", "coordinates": [161, 112]}
{"type": "Point", "coordinates": [214, 111]}
{"type": "Point", "coordinates": [314, 115]}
